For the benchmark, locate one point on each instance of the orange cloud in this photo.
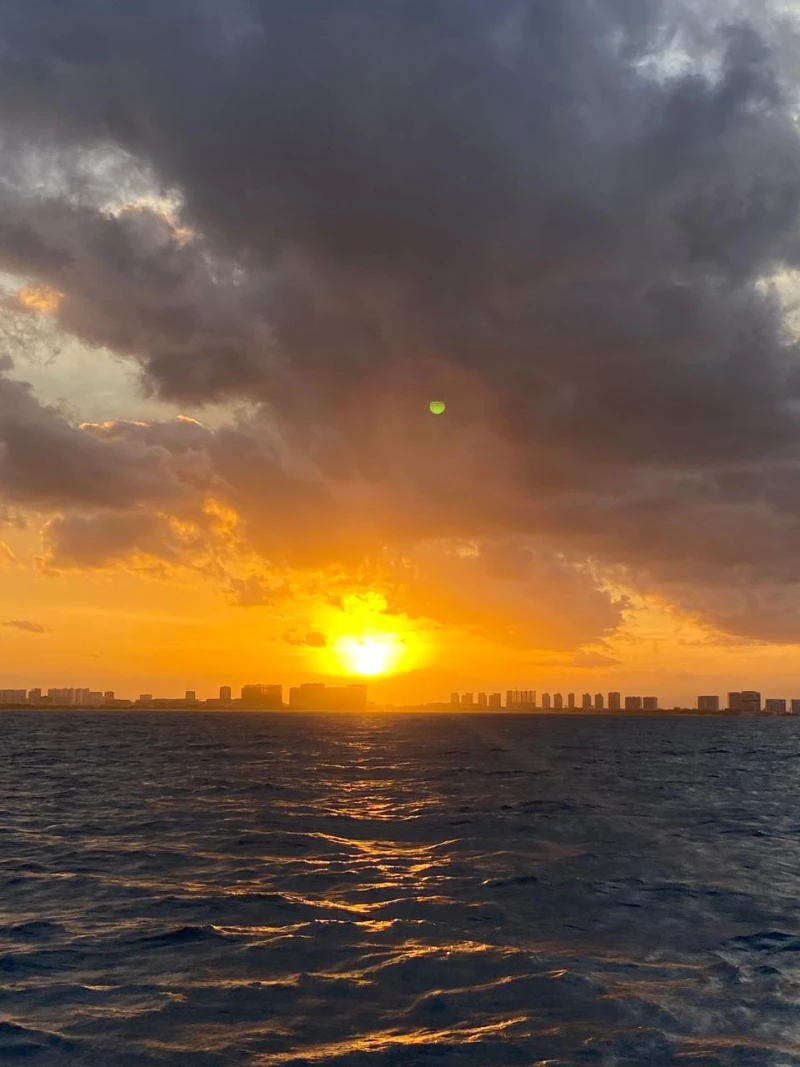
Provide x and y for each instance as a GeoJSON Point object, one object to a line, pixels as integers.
{"type": "Point", "coordinates": [40, 298]}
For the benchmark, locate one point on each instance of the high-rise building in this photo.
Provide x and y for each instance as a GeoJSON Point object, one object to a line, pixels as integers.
{"type": "Point", "coordinates": [795, 705]}
{"type": "Point", "coordinates": [521, 699]}
{"type": "Point", "coordinates": [468, 700]}
{"type": "Point", "coordinates": [347, 697]}
{"type": "Point", "coordinates": [775, 707]}
{"type": "Point", "coordinates": [267, 697]}
{"type": "Point", "coordinates": [61, 698]}
{"type": "Point", "coordinates": [455, 700]}
{"type": "Point", "coordinates": [225, 694]}
{"type": "Point", "coordinates": [650, 703]}
{"type": "Point", "coordinates": [34, 696]}
{"type": "Point", "coordinates": [735, 702]}
{"type": "Point", "coordinates": [614, 701]}
{"type": "Point", "coordinates": [708, 703]}
{"type": "Point", "coordinates": [586, 701]}
{"type": "Point", "coordinates": [307, 697]}
{"type": "Point", "coordinates": [145, 698]}
{"type": "Point", "coordinates": [314, 696]}
{"type": "Point", "coordinates": [633, 703]}
{"type": "Point", "coordinates": [483, 701]}
{"type": "Point", "coordinates": [571, 701]}
{"type": "Point", "coordinates": [13, 696]}
{"type": "Point", "coordinates": [95, 700]}
{"type": "Point", "coordinates": [546, 702]}
{"type": "Point", "coordinates": [81, 698]}
{"type": "Point", "coordinates": [599, 703]}
{"type": "Point", "coordinates": [496, 701]}
{"type": "Point", "coordinates": [751, 702]}
{"type": "Point", "coordinates": [108, 696]}
{"type": "Point", "coordinates": [191, 696]}
{"type": "Point", "coordinates": [558, 702]}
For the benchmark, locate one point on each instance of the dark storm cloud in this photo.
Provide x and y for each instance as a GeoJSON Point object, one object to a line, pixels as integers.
{"type": "Point", "coordinates": [46, 461]}
{"type": "Point", "coordinates": [561, 216]}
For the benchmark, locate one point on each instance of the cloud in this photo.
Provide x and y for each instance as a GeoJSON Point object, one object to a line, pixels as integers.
{"type": "Point", "coordinates": [513, 593]}
{"type": "Point", "coordinates": [252, 592]}
{"type": "Point", "coordinates": [575, 222]}
{"type": "Point", "coordinates": [27, 626]}
{"type": "Point", "coordinates": [86, 542]}
{"type": "Point", "coordinates": [309, 640]}
{"type": "Point", "coordinates": [593, 660]}
{"type": "Point", "coordinates": [45, 461]}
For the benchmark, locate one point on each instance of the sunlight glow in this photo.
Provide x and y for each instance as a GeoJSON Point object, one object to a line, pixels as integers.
{"type": "Point", "coordinates": [369, 656]}
{"type": "Point", "coordinates": [365, 639]}
{"type": "Point", "coordinates": [40, 298]}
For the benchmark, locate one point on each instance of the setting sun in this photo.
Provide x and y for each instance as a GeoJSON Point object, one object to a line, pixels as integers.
{"type": "Point", "coordinates": [369, 656]}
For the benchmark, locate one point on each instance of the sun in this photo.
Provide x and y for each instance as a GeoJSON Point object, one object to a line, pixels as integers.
{"type": "Point", "coordinates": [369, 656]}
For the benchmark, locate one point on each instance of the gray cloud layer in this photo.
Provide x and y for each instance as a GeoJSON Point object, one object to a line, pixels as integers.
{"type": "Point", "coordinates": [561, 217]}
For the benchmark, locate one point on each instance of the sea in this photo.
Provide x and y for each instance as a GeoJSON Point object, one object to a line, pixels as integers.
{"type": "Point", "coordinates": [192, 889]}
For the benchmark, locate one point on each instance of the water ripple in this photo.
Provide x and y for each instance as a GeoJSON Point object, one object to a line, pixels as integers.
{"type": "Point", "coordinates": [200, 890]}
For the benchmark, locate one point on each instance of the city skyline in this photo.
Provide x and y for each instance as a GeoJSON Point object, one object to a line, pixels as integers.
{"type": "Point", "coordinates": [352, 696]}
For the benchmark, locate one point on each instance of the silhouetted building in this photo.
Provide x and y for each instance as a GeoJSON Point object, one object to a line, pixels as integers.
{"type": "Point", "coordinates": [13, 696]}
{"type": "Point", "coordinates": [82, 698]}
{"type": "Point", "coordinates": [455, 700]}
{"type": "Point", "coordinates": [191, 696]}
{"type": "Point", "coordinates": [614, 701]}
{"type": "Point", "coordinates": [795, 706]}
{"type": "Point", "coordinates": [108, 696]}
{"type": "Point", "coordinates": [95, 700]}
{"type": "Point", "coordinates": [558, 702]}
{"type": "Point", "coordinates": [267, 697]}
{"type": "Point", "coordinates": [314, 696]}
{"type": "Point", "coordinates": [775, 707]}
{"type": "Point", "coordinates": [599, 702]}
{"type": "Point", "coordinates": [751, 702]}
{"type": "Point", "coordinates": [708, 703]}
{"type": "Point", "coordinates": [468, 700]}
{"type": "Point", "coordinates": [586, 702]}
{"type": "Point", "coordinates": [145, 698]}
{"type": "Point", "coordinates": [633, 703]}
{"type": "Point", "coordinates": [483, 701]}
{"type": "Point", "coordinates": [521, 699]}
{"type": "Point", "coordinates": [571, 701]}
{"type": "Point", "coordinates": [735, 702]}
{"type": "Point", "coordinates": [225, 694]}
{"type": "Point", "coordinates": [308, 697]}
{"type": "Point", "coordinates": [495, 702]}
{"type": "Point", "coordinates": [650, 703]}
{"type": "Point", "coordinates": [348, 697]}
{"type": "Point", "coordinates": [61, 698]}
{"type": "Point", "coordinates": [546, 701]}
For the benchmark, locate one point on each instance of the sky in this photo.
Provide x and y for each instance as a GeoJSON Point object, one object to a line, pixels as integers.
{"type": "Point", "coordinates": [244, 246]}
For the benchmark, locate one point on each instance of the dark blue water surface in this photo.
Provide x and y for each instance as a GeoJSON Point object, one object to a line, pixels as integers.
{"type": "Point", "coordinates": [208, 889]}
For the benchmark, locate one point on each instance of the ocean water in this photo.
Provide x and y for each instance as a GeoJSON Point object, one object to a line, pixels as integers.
{"type": "Point", "coordinates": [194, 890]}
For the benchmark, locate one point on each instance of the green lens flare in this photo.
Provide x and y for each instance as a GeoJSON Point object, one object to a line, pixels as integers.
{"type": "Point", "coordinates": [438, 407]}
